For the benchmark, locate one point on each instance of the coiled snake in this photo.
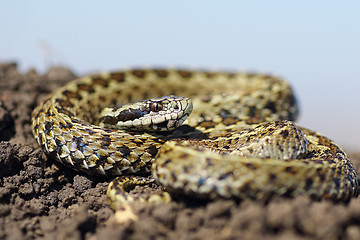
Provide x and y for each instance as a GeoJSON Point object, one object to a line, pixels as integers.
{"type": "Point", "coordinates": [239, 141]}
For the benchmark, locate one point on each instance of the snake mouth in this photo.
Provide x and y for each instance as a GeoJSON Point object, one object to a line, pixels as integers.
{"type": "Point", "coordinates": [172, 124]}
{"type": "Point", "coordinates": [183, 118]}
{"type": "Point", "coordinates": [177, 123]}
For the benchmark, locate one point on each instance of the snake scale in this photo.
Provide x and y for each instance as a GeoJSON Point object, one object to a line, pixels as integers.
{"type": "Point", "coordinates": [239, 142]}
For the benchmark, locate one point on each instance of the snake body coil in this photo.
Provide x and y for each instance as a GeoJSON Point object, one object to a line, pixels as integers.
{"type": "Point", "coordinates": [242, 118]}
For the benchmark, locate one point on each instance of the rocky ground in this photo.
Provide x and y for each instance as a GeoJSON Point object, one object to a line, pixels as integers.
{"type": "Point", "coordinates": [41, 199]}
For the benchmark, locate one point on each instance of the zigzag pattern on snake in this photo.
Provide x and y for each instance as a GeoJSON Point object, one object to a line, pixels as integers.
{"type": "Point", "coordinates": [240, 117]}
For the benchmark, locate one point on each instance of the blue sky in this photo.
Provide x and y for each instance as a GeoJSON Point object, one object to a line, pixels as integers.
{"type": "Point", "coordinates": [315, 45]}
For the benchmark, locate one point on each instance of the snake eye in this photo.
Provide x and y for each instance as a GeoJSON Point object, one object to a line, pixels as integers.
{"type": "Point", "coordinates": [155, 107]}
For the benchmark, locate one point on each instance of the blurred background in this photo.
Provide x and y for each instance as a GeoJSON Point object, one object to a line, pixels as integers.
{"type": "Point", "coordinates": [315, 45]}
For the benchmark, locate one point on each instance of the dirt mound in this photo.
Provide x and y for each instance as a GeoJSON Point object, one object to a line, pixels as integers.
{"type": "Point", "coordinates": [42, 199]}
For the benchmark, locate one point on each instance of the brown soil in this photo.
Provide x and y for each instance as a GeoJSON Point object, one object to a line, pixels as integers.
{"type": "Point", "coordinates": [42, 199]}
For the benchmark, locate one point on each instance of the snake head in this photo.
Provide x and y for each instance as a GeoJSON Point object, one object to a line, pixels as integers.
{"type": "Point", "coordinates": [157, 114]}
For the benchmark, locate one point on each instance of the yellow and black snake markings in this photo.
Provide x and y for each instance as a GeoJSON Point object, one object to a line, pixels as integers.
{"type": "Point", "coordinates": [235, 155]}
